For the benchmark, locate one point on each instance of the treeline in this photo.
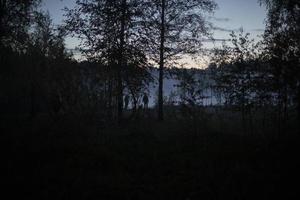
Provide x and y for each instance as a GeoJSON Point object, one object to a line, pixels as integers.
{"type": "Point", "coordinates": [243, 78]}
{"type": "Point", "coordinates": [265, 76]}
{"type": "Point", "coordinates": [34, 62]}
{"type": "Point", "coordinates": [39, 75]}
{"type": "Point", "coordinates": [121, 40]}
{"type": "Point", "coordinates": [259, 80]}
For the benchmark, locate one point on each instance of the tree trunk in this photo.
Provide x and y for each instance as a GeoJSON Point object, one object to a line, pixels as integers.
{"type": "Point", "coordinates": [109, 96]}
{"type": "Point", "coordinates": [121, 62]}
{"type": "Point", "coordinates": [33, 100]}
{"type": "Point", "coordinates": [298, 108]}
{"type": "Point", "coordinates": [285, 108]}
{"type": "Point", "coordinates": [161, 63]}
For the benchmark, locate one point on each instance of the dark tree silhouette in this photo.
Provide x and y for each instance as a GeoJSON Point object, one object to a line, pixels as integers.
{"type": "Point", "coordinates": [237, 73]}
{"type": "Point", "coordinates": [174, 28]}
{"type": "Point", "coordinates": [15, 19]}
{"type": "Point", "coordinates": [282, 46]}
{"type": "Point", "coordinates": [109, 32]}
{"type": "Point", "coordinates": [58, 115]}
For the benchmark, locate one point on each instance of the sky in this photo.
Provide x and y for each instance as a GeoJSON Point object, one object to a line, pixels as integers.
{"type": "Point", "coordinates": [230, 15]}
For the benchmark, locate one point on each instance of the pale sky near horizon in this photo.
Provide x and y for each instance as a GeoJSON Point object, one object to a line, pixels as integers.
{"type": "Point", "coordinates": [230, 15]}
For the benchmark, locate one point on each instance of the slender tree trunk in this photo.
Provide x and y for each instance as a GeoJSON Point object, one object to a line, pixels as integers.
{"type": "Point", "coordinates": [134, 106]}
{"type": "Point", "coordinates": [109, 95]}
{"type": "Point", "coordinates": [298, 108]}
{"type": "Point", "coordinates": [279, 117]}
{"type": "Point", "coordinates": [251, 125]}
{"type": "Point", "coordinates": [243, 111]}
{"type": "Point", "coordinates": [33, 89]}
{"type": "Point", "coordinates": [33, 100]}
{"type": "Point", "coordinates": [120, 97]}
{"type": "Point", "coordinates": [264, 118]}
{"type": "Point", "coordinates": [244, 120]}
{"type": "Point", "coordinates": [285, 108]}
{"type": "Point", "coordinates": [161, 63]}
{"type": "Point", "coordinates": [121, 62]}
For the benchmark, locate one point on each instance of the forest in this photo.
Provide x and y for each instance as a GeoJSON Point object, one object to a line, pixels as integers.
{"type": "Point", "coordinates": [105, 126]}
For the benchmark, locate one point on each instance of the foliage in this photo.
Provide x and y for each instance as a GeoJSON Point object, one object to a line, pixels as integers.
{"type": "Point", "coordinates": [237, 70]}
{"type": "Point", "coordinates": [110, 35]}
{"type": "Point", "coordinates": [15, 20]}
{"type": "Point", "coordinates": [172, 29]}
{"type": "Point", "coordinates": [190, 87]}
{"type": "Point", "coordinates": [282, 43]}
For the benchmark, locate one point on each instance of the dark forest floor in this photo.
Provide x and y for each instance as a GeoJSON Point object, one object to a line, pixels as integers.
{"type": "Point", "coordinates": [144, 160]}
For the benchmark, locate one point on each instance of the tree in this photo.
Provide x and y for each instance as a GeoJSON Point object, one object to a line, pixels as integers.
{"type": "Point", "coordinates": [173, 28]}
{"type": "Point", "coordinates": [136, 78]}
{"type": "Point", "coordinates": [191, 87]}
{"type": "Point", "coordinates": [47, 60]}
{"type": "Point", "coordinates": [237, 72]}
{"type": "Point", "coordinates": [282, 42]}
{"type": "Point", "coordinates": [108, 32]}
{"type": "Point", "coordinates": [15, 19]}
{"type": "Point", "coordinates": [191, 91]}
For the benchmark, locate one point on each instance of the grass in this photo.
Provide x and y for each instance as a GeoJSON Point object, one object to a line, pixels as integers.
{"type": "Point", "coordinates": [144, 160]}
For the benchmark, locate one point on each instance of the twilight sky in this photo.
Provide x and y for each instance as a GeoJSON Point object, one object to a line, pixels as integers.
{"type": "Point", "coordinates": [230, 15]}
